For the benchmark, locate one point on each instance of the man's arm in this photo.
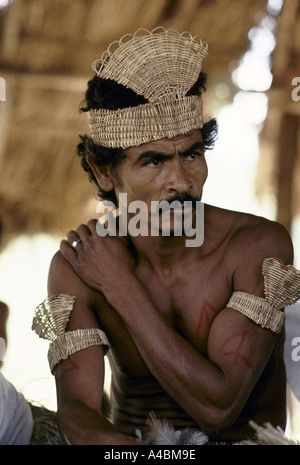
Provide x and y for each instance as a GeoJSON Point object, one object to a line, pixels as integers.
{"type": "Point", "coordinates": [80, 378]}
{"type": "Point", "coordinates": [212, 389]}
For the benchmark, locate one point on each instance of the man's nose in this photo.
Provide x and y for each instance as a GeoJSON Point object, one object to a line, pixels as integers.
{"type": "Point", "coordinates": [178, 179]}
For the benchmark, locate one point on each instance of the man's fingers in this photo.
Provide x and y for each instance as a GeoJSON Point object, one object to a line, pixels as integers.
{"type": "Point", "coordinates": [72, 236]}
{"type": "Point", "coordinates": [74, 240]}
{"type": "Point", "coordinates": [67, 250]}
{"type": "Point", "coordinates": [83, 232]}
{"type": "Point", "coordinates": [91, 225]}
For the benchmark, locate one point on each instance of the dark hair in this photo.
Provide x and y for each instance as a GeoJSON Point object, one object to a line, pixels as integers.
{"type": "Point", "coordinates": [108, 94]}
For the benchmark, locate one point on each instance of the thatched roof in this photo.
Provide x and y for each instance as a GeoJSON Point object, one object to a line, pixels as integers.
{"type": "Point", "coordinates": [47, 48]}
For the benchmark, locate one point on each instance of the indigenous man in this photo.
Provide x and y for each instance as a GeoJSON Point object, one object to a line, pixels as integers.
{"type": "Point", "coordinates": [193, 334]}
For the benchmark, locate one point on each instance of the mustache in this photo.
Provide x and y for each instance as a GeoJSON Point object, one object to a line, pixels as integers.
{"type": "Point", "coordinates": [184, 198]}
{"type": "Point", "coordinates": [166, 205]}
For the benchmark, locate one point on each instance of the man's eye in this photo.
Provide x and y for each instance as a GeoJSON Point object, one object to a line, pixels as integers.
{"type": "Point", "coordinates": [193, 156]}
{"type": "Point", "coordinates": [154, 162]}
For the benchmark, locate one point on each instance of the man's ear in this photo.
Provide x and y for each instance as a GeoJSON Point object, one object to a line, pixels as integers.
{"type": "Point", "coordinates": [102, 174]}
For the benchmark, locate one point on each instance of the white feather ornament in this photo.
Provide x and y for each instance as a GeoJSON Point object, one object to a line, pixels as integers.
{"type": "Point", "coordinates": [160, 433]}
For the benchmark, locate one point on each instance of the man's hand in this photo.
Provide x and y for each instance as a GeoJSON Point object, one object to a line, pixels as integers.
{"type": "Point", "coordinates": [99, 261]}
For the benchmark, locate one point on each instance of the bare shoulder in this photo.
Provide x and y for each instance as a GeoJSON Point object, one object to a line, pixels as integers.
{"type": "Point", "coordinates": [261, 238]}
{"type": "Point", "coordinates": [250, 234]}
{"type": "Point", "coordinates": [250, 240]}
{"type": "Point", "coordinates": [257, 241]}
{"type": "Point", "coordinates": [61, 276]}
{"type": "Point", "coordinates": [62, 279]}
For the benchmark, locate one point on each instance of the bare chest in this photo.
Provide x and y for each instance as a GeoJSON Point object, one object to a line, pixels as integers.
{"type": "Point", "coordinates": [191, 302]}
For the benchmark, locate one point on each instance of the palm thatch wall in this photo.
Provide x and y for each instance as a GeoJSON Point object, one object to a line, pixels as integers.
{"type": "Point", "coordinates": [46, 51]}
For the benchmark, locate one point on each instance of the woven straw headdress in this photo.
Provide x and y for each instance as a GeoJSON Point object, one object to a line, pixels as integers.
{"type": "Point", "coordinates": [162, 66]}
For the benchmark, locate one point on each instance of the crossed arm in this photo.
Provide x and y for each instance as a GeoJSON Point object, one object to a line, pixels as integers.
{"type": "Point", "coordinates": [212, 389]}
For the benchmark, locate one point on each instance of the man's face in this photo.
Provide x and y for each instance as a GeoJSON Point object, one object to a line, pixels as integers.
{"type": "Point", "coordinates": [167, 169]}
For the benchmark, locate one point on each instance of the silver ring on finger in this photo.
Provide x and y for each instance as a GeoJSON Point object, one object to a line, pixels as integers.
{"type": "Point", "coordinates": [75, 243]}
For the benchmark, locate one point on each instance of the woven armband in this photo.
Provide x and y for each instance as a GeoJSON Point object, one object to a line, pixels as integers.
{"type": "Point", "coordinates": [50, 321]}
{"type": "Point", "coordinates": [282, 288]}
{"type": "Point", "coordinates": [258, 310]}
{"type": "Point", "coordinates": [73, 341]}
